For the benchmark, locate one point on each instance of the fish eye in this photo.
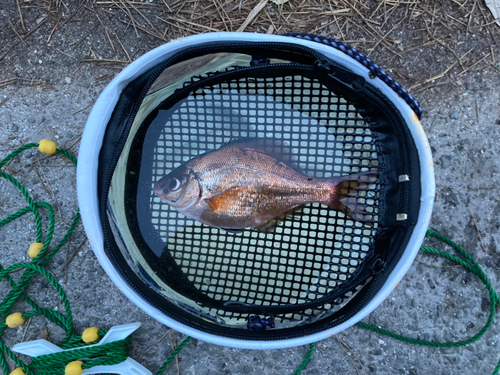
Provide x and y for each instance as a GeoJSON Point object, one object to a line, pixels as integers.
{"type": "Point", "coordinates": [174, 184]}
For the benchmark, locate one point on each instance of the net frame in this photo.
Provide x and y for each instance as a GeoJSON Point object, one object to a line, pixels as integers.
{"type": "Point", "coordinates": [312, 327]}
{"type": "Point", "coordinates": [319, 232]}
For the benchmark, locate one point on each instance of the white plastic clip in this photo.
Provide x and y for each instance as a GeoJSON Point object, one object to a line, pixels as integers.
{"type": "Point", "coordinates": [127, 367]}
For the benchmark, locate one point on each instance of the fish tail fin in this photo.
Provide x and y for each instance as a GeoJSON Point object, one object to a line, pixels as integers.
{"type": "Point", "coordinates": [349, 195]}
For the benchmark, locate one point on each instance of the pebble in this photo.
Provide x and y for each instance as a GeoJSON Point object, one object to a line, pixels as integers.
{"type": "Point", "coordinates": [448, 337]}
{"type": "Point", "coordinates": [420, 286]}
{"type": "Point", "coordinates": [399, 364]}
{"type": "Point", "coordinates": [454, 115]}
{"type": "Point", "coordinates": [480, 355]}
{"type": "Point", "coordinates": [449, 350]}
{"type": "Point", "coordinates": [246, 369]}
{"type": "Point", "coordinates": [485, 304]}
{"type": "Point", "coordinates": [431, 283]}
{"type": "Point", "coordinates": [451, 359]}
{"type": "Point", "coordinates": [409, 293]}
{"type": "Point", "coordinates": [413, 327]}
{"type": "Point", "coordinates": [437, 336]}
{"type": "Point", "coordinates": [445, 161]}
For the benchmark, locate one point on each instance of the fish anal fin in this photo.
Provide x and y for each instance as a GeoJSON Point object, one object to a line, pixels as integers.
{"type": "Point", "coordinates": [267, 227]}
{"type": "Point", "coordinates": [270, 226]}
{"type": "Point", "coordinates": [233, 230]}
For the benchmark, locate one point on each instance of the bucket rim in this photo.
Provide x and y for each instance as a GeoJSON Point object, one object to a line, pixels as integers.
{"type": "Point", "coordinates": [88, 165]}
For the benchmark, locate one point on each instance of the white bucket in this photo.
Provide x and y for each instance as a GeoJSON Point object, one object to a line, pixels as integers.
{"type": "Point", "coordinates": [88, 165]}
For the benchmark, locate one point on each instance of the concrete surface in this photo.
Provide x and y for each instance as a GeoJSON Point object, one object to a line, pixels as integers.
{"type": "Point", "coordinates": [432, 302]}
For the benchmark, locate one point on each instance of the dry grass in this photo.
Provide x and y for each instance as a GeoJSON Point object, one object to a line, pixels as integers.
{"type": "Point", "coordinates": [428, 43]}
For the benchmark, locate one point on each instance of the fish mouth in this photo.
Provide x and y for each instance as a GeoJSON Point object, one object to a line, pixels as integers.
{"type": "Point", "coordinates": [178, 202]}
{"type": "Point", "coordinates": [161, 194]}
{"type": "Point", "coordinates": [158, 191]}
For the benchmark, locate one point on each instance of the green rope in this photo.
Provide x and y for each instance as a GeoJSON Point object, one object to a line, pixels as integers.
{"type": "Point", "coordinates": [471, 265]}
{"type": "Point", "coordinates": [13, 154]}
{"type": "Point", "coordinates": [14, 216]}
{"type": "Point", "coordinates": [116, 352]}
{"type": "Point", "coordinates": [68, 154]}
{"type": "Point", "coordinates": [108, 354]}
{"type": "Point", "coordinates": [54, 316]}
{"type": "Point", "coordinates": [17, 291]}
{"type": "Point", "coordinates": [306, 360]}
{"type": "Point", "coordinates": [172, 356]}
{"type": "Point", "coordinates": [31, 203]}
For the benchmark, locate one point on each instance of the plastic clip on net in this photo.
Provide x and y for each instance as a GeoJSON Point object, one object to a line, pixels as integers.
{"type": "Point", "coordinates": [127, 367]}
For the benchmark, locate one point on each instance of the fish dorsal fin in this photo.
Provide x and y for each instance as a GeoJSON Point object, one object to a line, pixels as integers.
{"type": "Point", "coordinates": [266, 145]}
{"type": "Point", "coordinates": [270, 146]}
{"type": "Point", "coordinates": [276, 148]}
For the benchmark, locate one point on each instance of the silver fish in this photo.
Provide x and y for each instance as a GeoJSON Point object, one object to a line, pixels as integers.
{"type": "Point", "coordinates": [245, 185]}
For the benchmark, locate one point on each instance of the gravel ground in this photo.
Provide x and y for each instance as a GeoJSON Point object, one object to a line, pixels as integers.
{"type": "Point", "coordinates": [433, 301]}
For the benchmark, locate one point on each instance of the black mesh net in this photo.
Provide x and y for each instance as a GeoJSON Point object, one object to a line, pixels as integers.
{"type": "Point", "coordinates": [309, 272]}
{"type": "Point", "coordinates": [305, 257]}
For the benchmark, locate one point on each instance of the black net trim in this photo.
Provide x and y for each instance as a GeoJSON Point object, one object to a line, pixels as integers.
{"type": "Point", "coordinates": [374, 68]}
{"type": "Point", "coordinates": [392, 136]}
{"type": "Point", "coordinates": [307, 257]}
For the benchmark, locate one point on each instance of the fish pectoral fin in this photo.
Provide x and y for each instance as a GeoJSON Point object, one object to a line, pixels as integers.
{"type": "Point", "coordinates": [216, 202]}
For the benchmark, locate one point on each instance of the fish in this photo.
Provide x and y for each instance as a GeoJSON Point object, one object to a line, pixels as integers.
{"type": "Point", "coordinates": [247, 183]}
